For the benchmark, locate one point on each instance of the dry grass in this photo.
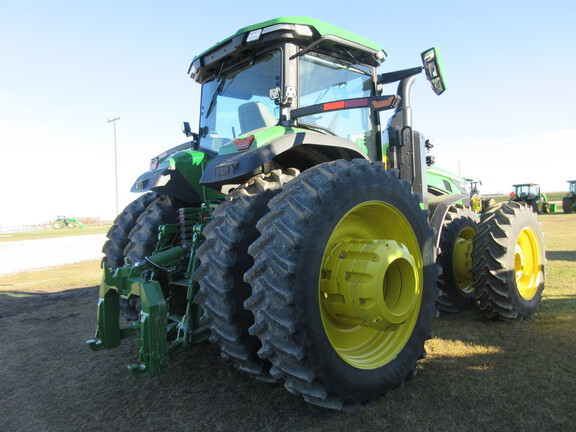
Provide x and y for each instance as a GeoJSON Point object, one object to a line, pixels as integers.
{"type": "Point", "coordinates": [479, 375]}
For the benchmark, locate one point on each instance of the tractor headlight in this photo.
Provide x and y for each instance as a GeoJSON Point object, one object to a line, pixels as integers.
{"type": "Point", "coordinates": [254, 35]}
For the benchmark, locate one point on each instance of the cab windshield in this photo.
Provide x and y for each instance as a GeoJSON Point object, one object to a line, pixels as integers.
{"type": "Point", "coordinates": [572, 188]}
{"type": "Point", "coordinates": [238, 101]}
{"type": "Point", "coordinates": [526, 190]}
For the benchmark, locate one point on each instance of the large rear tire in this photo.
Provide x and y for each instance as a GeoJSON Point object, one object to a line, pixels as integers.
{"type": "Point", "coordinates": [508, 262]}
{"type": "Point", "coordinates": [224, 259]}
{"type": "Point", "coordinates": [117, 236]}
{"type": "Point", "coordinates": [566, 205]}
{"type": "Point", "coordinates": [143, 238]}
{"type": "Point", "coordinates": [343, 283]}
{"type": "Point", "coordinates": [455, 282]}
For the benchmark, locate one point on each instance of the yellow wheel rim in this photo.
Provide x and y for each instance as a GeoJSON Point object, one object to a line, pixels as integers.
{"type": "Point", "coordinates": [370, 285]}
{"type": "Point", "coordinates": [462, 260]}
{"type": "Point", "coordinates": [527, 263]}
{"type": "Point", "coordinates": [476, 204]}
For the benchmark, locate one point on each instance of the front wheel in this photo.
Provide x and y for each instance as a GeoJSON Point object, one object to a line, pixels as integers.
{"type": "Point", "coordinates": [509, 262]}
{"type": "Point", "coordinates": [343, 283]}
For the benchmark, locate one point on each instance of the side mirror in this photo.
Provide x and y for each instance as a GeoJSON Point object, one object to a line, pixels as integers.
{"type": "Point", "coordinates": [432, 62]}
{"type": "Point", "coordinates": [188, 132]}
{"type": "Point", "coordinates": [186, 129]}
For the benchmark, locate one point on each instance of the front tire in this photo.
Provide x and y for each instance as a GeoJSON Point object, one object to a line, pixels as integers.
{"type": "Point", "coordinates": [343, 283]}
{"type": "Point", "coordinates": [509, 262]}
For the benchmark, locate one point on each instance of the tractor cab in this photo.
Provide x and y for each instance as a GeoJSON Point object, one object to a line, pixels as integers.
{"type": "Point", "coordinates": [525, 191]}
{"type": "Point", "coordinates": [569, 198]}
{"type": "Point", "coordinates": [255, 83]}
{"type": "Point", "coordinates": [295, 92]}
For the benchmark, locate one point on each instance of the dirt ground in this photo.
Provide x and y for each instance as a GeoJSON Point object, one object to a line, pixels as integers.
{"type": "Point", "coordinates": [479, 376]}
{"type": "Point", "coordinates": [52, 382]}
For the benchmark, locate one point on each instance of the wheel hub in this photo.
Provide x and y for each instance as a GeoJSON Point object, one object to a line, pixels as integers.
{"type": "Point", "coordinates": [527, 264]}
{"type": "Point", "coordinates": [371, 283]}
{"type": "Point", "coordinates": [462, 260]}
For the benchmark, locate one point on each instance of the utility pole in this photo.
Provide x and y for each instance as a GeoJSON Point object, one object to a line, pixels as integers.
{"type": "Point", "coordinates": [115, 160]}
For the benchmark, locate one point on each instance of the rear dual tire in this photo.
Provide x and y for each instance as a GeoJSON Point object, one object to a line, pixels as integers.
{"type": "Point", "coordinates": [334, 221]}
{"type": "Point", "coordinates": [117, 236]}
{"type": "Point", "coordinates": [224, 259]}
{"type": "Point", "coordinates": [134, 235]}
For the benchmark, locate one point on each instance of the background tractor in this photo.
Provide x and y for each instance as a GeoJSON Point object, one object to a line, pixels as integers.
{"type": "Point", "coordinates": [301, 230]}
{"type": "Point", "coordinates": [569, 198]}
{"type": "Point", "coordinates": [63, 221]}
{"type": "Point", "coordinates": [530, 194]}
{"type": "Point", "coordinates": [478, 203]}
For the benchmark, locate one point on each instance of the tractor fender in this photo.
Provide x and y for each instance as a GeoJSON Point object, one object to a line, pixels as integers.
{"type": "Point", "coordinates": [311, 148]}
{"type": "Point", "coordinates": [176, 173]}
{"type": "Point", "coordinates": [438, 207]}
{"type": "Point", "coordinates": [168, 181]}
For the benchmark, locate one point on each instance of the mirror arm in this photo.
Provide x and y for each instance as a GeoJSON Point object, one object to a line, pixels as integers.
{"type": "Point", "coordinates": [390, 77]}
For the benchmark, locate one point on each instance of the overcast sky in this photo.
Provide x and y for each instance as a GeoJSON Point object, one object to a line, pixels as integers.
{"type": "Point", "coordinates": [67, 67]}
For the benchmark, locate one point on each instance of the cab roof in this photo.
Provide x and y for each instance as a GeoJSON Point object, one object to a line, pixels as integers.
{"type": "Point", "coordinates": [305, 31]}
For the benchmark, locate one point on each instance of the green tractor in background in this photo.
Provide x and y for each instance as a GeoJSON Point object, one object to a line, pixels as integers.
{"type": "Point", "coordinates": [479, 204]}
{"type": "Point", "coordinates": [63, 221]}
{"type": "Point", "coordinates": [530, 194]}
{"type": "Point", "coordinates": [301, 232]}
{"type": "Point", "coordinates": [569, 198]}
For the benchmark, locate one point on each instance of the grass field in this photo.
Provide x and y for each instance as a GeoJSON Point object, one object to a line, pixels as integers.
{"type": "Point", "coordinates": [479, 375]}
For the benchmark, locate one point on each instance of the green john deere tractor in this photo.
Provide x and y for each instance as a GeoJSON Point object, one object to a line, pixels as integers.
{"type": "Point", "coordinates": [530, 194]}
{"type": "Point", "coordinates": [63, 221]}
{"type": "Point", "coordinates": [569, 198]}
{"type": "Point", "coordinates": [300, 233]}
{"type": "Point", "coordinates": [478, 203]}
